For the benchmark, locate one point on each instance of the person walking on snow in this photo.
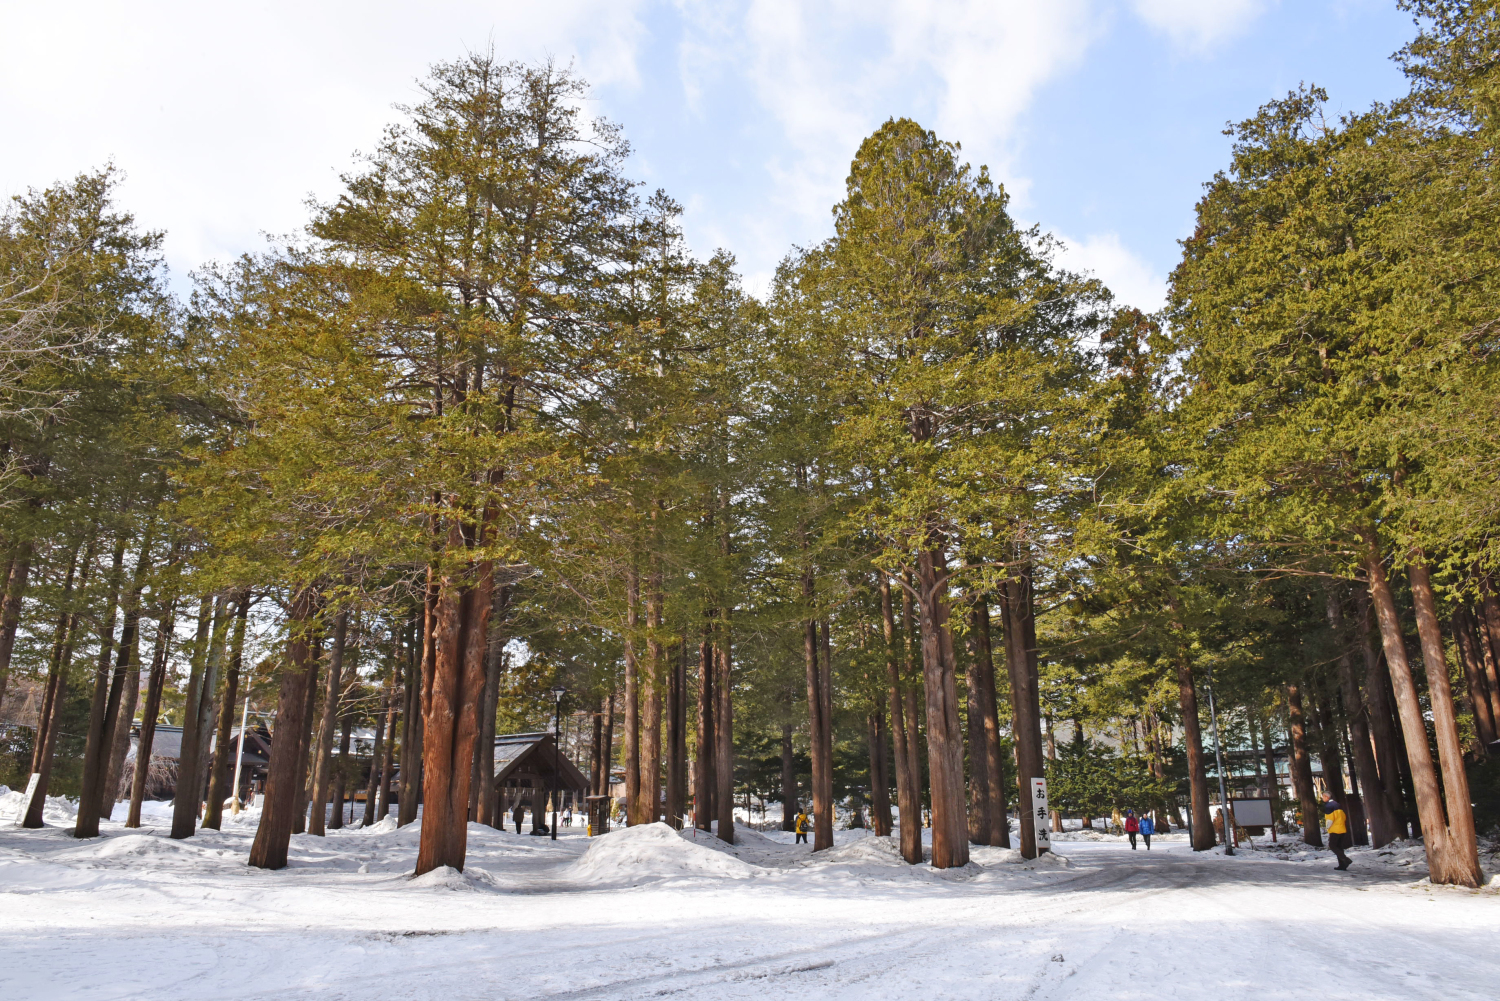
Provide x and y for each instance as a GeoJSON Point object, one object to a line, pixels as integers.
{"type": "Point", "coordinates": [1338, 831]}
{"type": "Point", "coordinates": [517, 814]}
{"type": "Point", "coordinates": [1132, 827]}
{"type": "Point", "coordinates": [1148, 828]}
{"type": "Point", "coordinates": [801, 827]}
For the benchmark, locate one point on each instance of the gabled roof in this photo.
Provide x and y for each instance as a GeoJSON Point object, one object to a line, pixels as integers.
{"type": "Point", "coordinates": [534, 753]}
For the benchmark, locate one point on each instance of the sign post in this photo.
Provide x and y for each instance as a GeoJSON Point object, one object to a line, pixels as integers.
{"type": "Point", "coordinates": [1040, 817]}
{"type": "Point", "coordinates": [26, 798]}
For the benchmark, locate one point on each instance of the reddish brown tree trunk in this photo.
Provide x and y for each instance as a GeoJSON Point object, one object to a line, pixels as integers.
{"type": "Point", "coordinates": [155, 680]}
{"type": "Point", "coordinates": [677, 738]}
{"type": "Point", "coordinates": [413, 707]}
{"type": "Point", "coordinates": [284, 772]}
{"type": "Point", "coordinates": [1473, 665]}
{"type": "Point", "coordinates": [1016, 599]}
{"type": "Point", "coordinates": [372, 781]}
{"type": "Point", "coordinates": [323, 746]}
{"type": "Point", "coordinates": [1390, 758]}
{"type": "Point", "coordinates": [1489, 629]}
{"type": "Point", "coordinates": [705, 784]}
{"type": "Point", "coordinates": [651, 726]}
{"type": "Point", "coordinates": [57, 684]}
{"type": "Point", "coordinates": [221, 773]}
{"type": "Point", "coordinates": [1192, 738]}
{"type": "Point", "coordinates": [452, 719]}
{"type": "Point", "coordinates": [97, 743]}
{"type": "Point", "coordinates": [724, 728]}
{"type": "Point", "coordinates": [945, 742]}
{"type": "Point", "coordinates": [1301, 764]}
{"type": "Point", "coordinates": [1459, 846]}
{"type": "Point", "coordinates": [880, 779]}
{"type": "Point", "coordinates": [637, 811]}
{"type": "Point", "coordinates": [998, 831]}
{"type": "Point", "coordinates": [10, 611]}
{"type": "Point", "coordinates": [1366, 768]}
{"type": "Point", "coordinates": [908, 794]}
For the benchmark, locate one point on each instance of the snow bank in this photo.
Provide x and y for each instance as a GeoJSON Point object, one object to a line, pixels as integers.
{"type": "Point", "coordinates": [385, 825]}
{"type": "Point", "coordinates": [59, 811]}
{"type": "Point", "coordinates": [993, 857]}
{"type": "Point", "coordinates": [471, 880]}
{"type": "Point", "coordinates": [654, 851]}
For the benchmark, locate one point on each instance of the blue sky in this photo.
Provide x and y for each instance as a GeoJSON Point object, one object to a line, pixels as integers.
{"type": "Point", "coordinates": [1102, 117]}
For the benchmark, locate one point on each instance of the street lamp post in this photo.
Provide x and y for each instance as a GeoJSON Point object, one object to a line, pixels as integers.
{"type": "Point", "coordinates": [557, 694]}
{"type": "Point", "coordinates": [1213, 719]}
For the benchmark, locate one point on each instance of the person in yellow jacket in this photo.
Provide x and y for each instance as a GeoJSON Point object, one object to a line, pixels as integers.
{"type": "Point", "coordinates": [802, 826]}
{"type": "Point", "coordinates": [1338, 830]}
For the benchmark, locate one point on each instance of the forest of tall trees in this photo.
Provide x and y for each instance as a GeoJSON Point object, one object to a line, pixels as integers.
{"type": "Point", "coordinates": [931, 517]}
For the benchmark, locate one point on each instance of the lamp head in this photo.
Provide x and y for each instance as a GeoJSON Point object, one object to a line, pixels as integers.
{"type": "Point", "coordinates": [558, 692]}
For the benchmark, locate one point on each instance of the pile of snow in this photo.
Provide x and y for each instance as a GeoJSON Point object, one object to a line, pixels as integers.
{"type": "Point", "coordinates": [58, 812]}
{"type": "Point", "coordinates": [993, 857]}
{"type": "Point", "coordinates": [385, 825]}
{"type": "Point", "coordinates": [471, 880]}
{"type": "Point", "coordinates": [654, 851]}
{"type": "Point", "coordinates": [866, 851]}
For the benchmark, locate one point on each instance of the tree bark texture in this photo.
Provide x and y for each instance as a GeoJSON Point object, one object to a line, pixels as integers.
{"type": "Point", "coordinates": [188, 796]}
{"type": "Point", "coordinates": [411, 712]}
{"type": "Point", "coordinates": [651, 683]}
{"type": "Point", "coordinates": [945, 741]}
{"type": "Point", "coordinates": [1460, 844]}
{"type": "Point", "coordinates": [1301, 764]}
{"type": "Point", "coordinates": [57, 685]}
{"type": "Point", "coordinates": [1389, 756]}
{"type": "Point", "coordinates": [677, 739]}
{"type": "Point", "coordinates": [284, 772]}
{"type": "Point", "coordinates": [705, 781]}
{"type": "Point", "coordinates": [451, 724]}
{"type": "Point", "coordinates": [155, 681]}
{"type": "Point", "coordinates": [323, 747]}
{"type": "Point", "coordinates": [1192, 736]}
{"type": "Point", "coordinates": [305, 740]}
{"type": "Point", "coordinates": [903, 726]}
{"type": "Point", "coordinates": [340, 769]}
{"type": "Point", "coordinates": [97, 743]}
{"type": "Point", "coordinates": [818, 737]}
{"type": "Point", "coordinates": [724, 728]}
{"type": "Point", "coordinates": [983, 678]}
{"type": "Point", "coordinates": [880, 778]}
{"type": "Point", "coordinates": [1366, 768]}
{"type": "Point", "coordinates": [790, 802]}
{"type": "Point", "coordinates": [221, 773]}
{"type": "Point", "coordinates": [637, 812]}
{"type": "Point", "coordinates": [1419, 756]}
{"type": "Point", "coordinates": [494, 665]}
{"type": "Point", "coordinates": [1478, 687]}
{"type": "Point", "coordinates": [1017, 600]}
{"type": "Point", "coordinates": [10, 610]}
{"type": "Point", "coordinates": [372, 780]}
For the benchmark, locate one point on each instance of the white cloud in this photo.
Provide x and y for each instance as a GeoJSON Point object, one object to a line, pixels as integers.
{"type": "Point", "coordinates": [225, 117]}
{"type": "Point", "coordinates": [1132, 280]}
{"type": "Point", "coordinates": [1199, 24]}
{"type": "Point", "coordinates": [829, 74]}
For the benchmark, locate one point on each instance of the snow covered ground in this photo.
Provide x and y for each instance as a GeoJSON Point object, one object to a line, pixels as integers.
{"type": "Point", "coordinates": [648, 912]}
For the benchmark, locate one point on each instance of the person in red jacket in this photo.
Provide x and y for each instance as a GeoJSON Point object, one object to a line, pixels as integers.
{"type": "Point", "coordinates": [1132, 827]}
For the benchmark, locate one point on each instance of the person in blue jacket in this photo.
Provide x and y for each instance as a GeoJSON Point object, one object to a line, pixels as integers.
{"type": "Point", "coordinates": [1147, 828]}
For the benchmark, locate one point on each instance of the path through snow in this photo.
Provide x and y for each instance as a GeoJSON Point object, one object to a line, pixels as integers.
{"type": "Point", "coordinates": [648, 912]}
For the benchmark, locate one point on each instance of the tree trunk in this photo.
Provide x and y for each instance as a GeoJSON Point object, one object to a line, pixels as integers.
{"type": "Point", "coordinates": [221, 774]}
{"type": "Point", "coordinates": [1489, 623]}
{"type": "Point", "coordinates": [979, 782]}
{"type": "Point", "coordinates": [1389, 757]}
{"type": "Point", "coordinates": [383, 807]}
{"type": "Point", "coordinates": [651, 682]}
{"type": "Point", "coordinates": [372, 780]}
{"type": "Point", "coordinates": [945, 742]}
{"type": "Point", "coordinates": [284, 772]}
{"type": "Point", "coordinates": [125, 688]}
{"type": "Point", "coordinates": [724, 729]}
{"type": "Point", "coordinates": [1301, 764]}
{"type": "Point", "coordinates": [1192, 737]}
{"type": "Point", "coordinates": [790, 802]}
{"type": "Point", "coordinates": [1329, 754]}
{"type": "Point", "coordinates": [494, 662]}
{"type": "Point", "coordinates": [1017, 599]}
{"type": "Point", "coordinates": [97, 743]}
{"type": "Point", "coordinates": [1419, 756]}
{"type": "Point", "coordinates": [188, 795]}
{"type": "Point", "coordinates": [57, 686]}
{"type": "Point", "coordinates": [411, 713]}
{"type": "Point", "coordinates": [305, 740]}
{"type": "Point", "coordinates": [817, 726]}
{"type": "Point", "coordinates": [880, 779]}
{"type": "Point", "coordinates": [340, 770]}
{"type": "Point", "coordinates": [677, 739]}
{"type": "Point", "coordinates": [637, 812]}
{"type": "Point", "coordinates": [10, 611]}
{"type": "Point", "coordinates": [705, 782]}
{"type": "Point", "coordinates": [903, 722]}
{"type": "Point", "coordinates": [323, 746]}
{"type": "Point", "coordinates": [452, 723]}
{"type": "Point", "coordinates": [994, 770]}
{"type": "Point", "coordinates": [1459, 846]}
{"type": "Point", "coordinates": [165, 630]}
{"type": "Point", "coordinates": [1366, 768]}
{"type": "Point", "coordinates": [1478, 686]}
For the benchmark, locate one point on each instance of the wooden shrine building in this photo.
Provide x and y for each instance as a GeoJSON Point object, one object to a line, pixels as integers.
{"type": "Point", "coordinates": [526, 765]}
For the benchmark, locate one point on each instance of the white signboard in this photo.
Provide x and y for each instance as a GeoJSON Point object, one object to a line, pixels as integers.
{"type": "Point", "coordinates": [1041, 819]}
{"type": "Point", "coordinates": [36, 778]}
{"type": "Point", "coordinates": [1249, 812]}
